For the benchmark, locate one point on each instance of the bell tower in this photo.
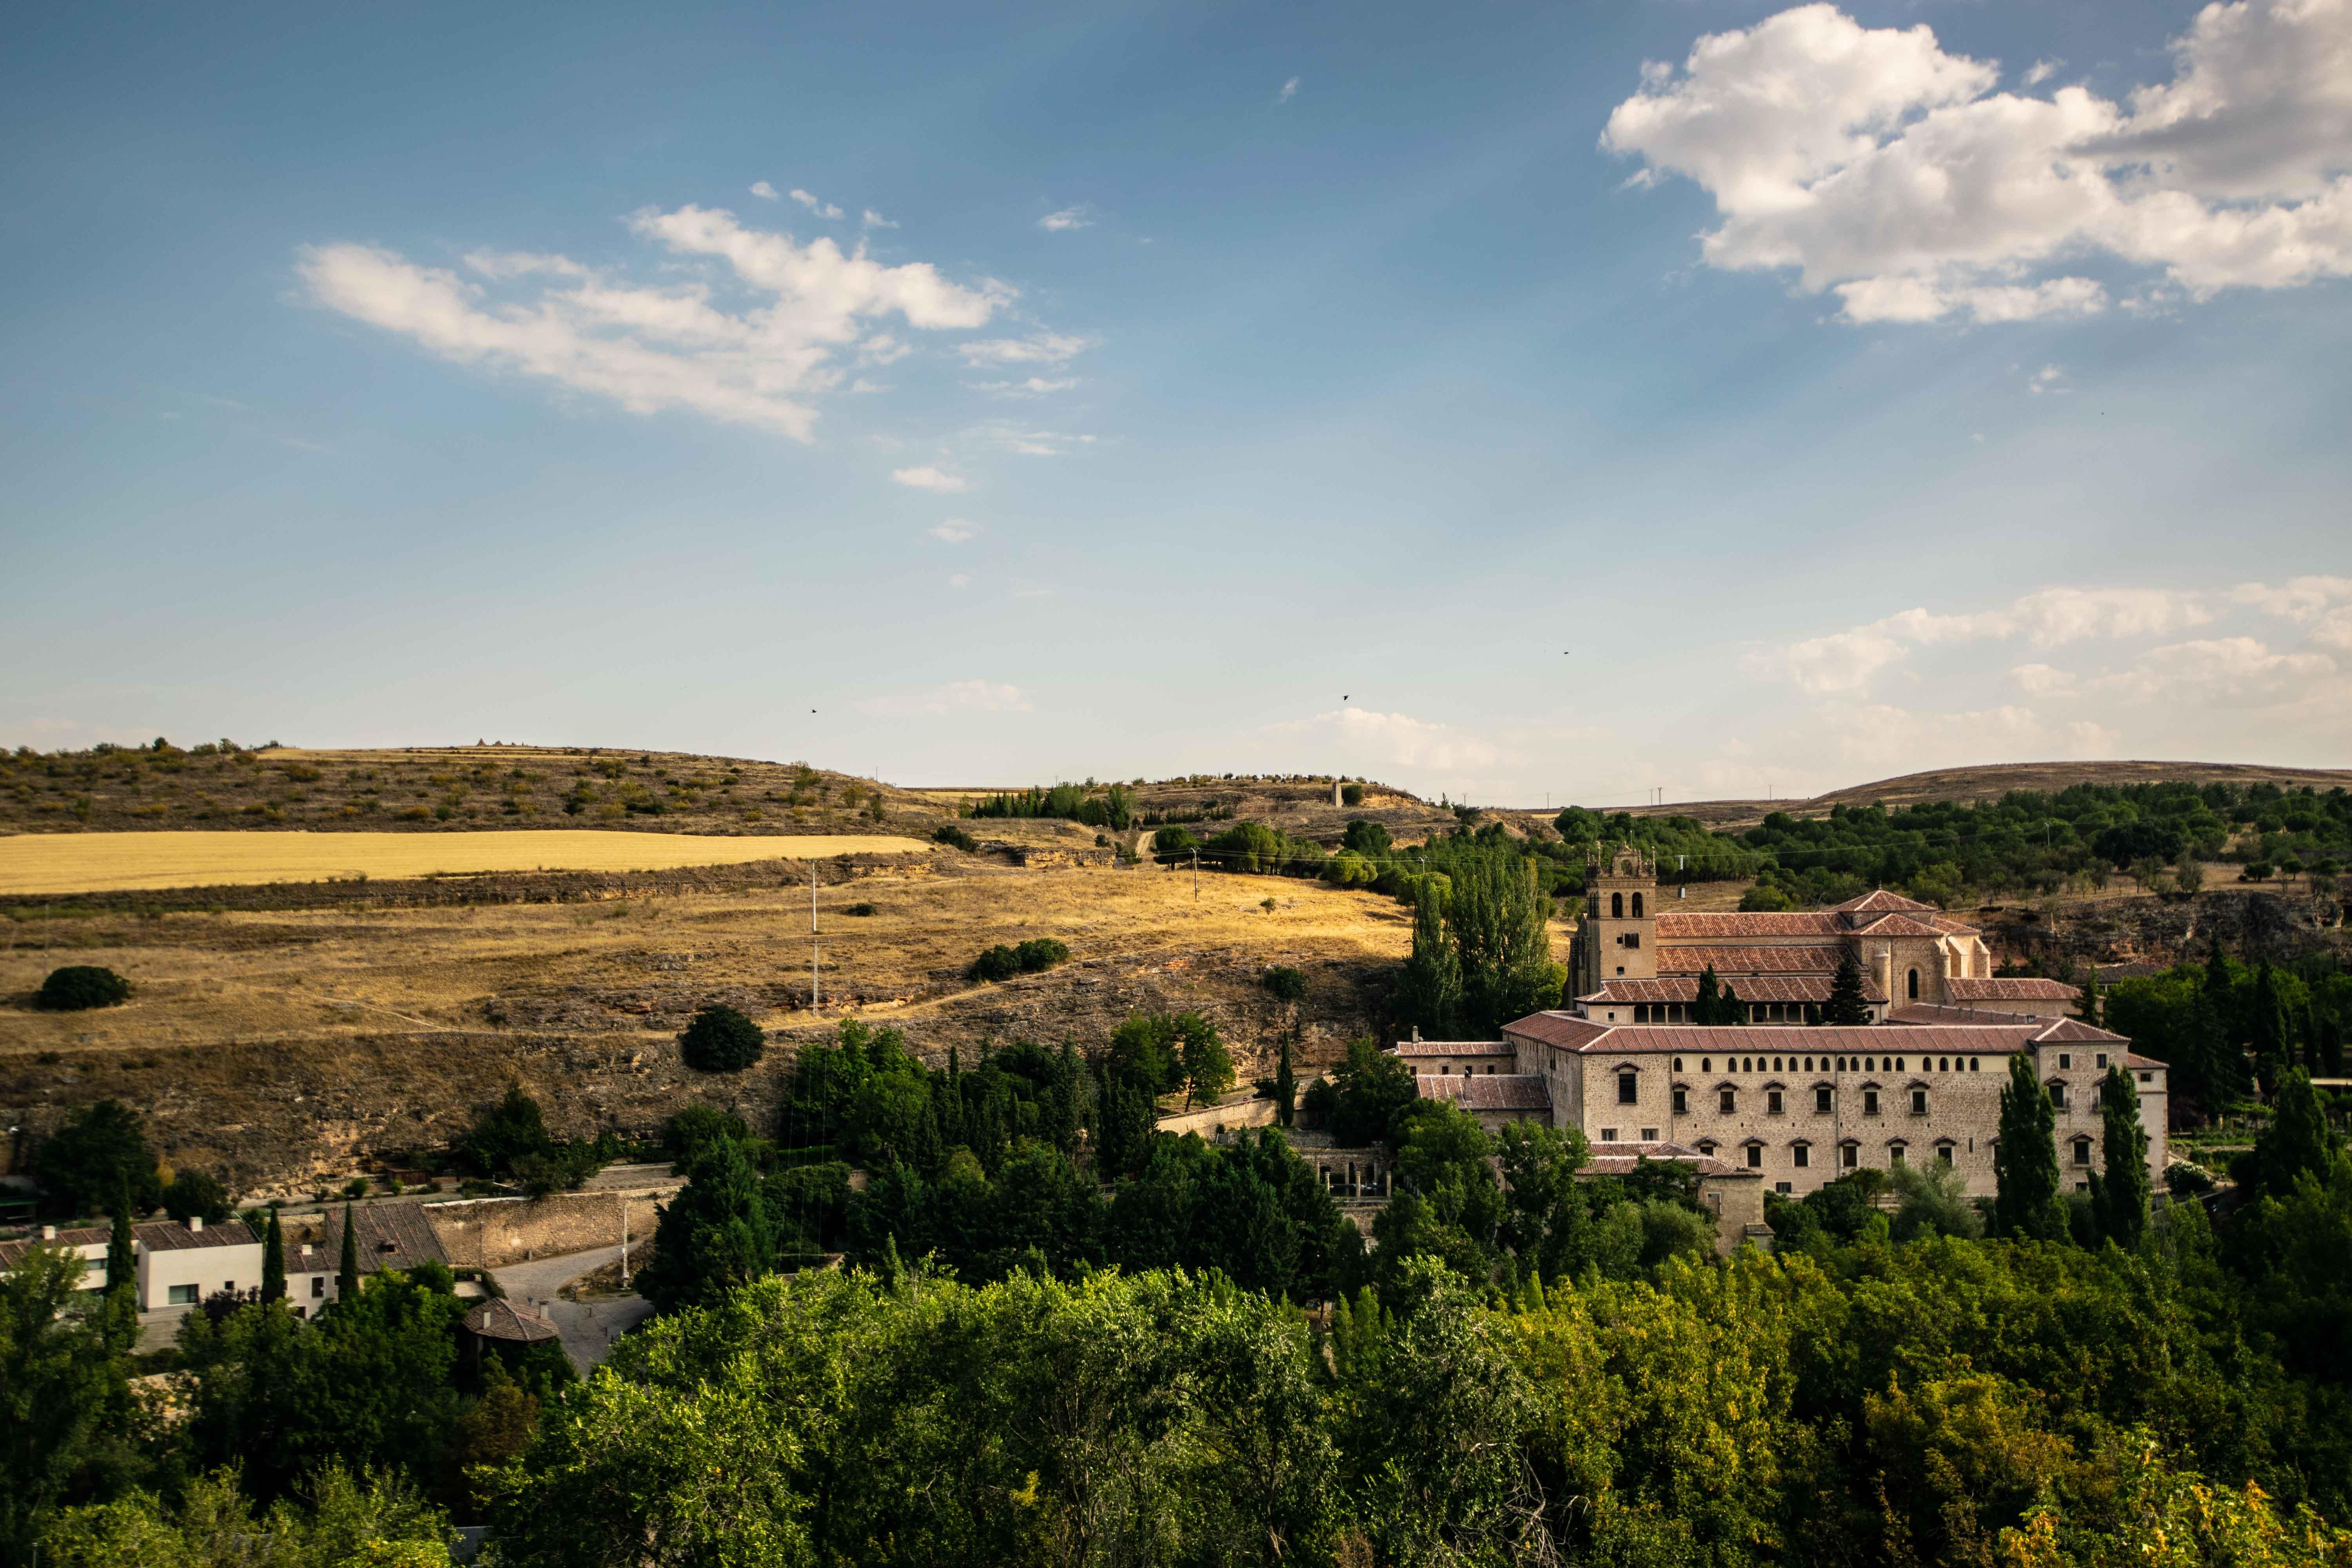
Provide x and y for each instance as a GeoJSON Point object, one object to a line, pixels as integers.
{"type": "Point", "coordinates": [1619, 938]}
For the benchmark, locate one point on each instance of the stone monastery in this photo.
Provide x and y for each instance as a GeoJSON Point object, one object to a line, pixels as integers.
{"type": "Point", "coordinates": [1778, 1101]}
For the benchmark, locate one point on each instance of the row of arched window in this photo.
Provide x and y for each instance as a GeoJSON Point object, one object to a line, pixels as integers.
{"type": "Point", "coordinates": [1617, 906]}
{"type": "Point", "coordinates": [1842, 1064]}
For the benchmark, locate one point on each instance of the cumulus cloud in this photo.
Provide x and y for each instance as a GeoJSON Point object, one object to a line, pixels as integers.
{"type": "Point", "coordinates": [926, 478]}
{"type": "Point", "coordinates": [2046, 379]}
{"type": "Point", "coordinates": [2238, 671]}
{"type": "Point", "coordinates": [654, 347]}
{"type": "Point", "coordinates": [1067, 218]}
{"type": "Point", "coordinates": [765, 192]}
{"type": "Point", "coordinates": [821, 209]}
{"type": "Point", "coordinates": [957, 697]}
{"type": "Point", "coordinates": [2052, 618]}
{"type": "Point", "coordinates": [1289, 91]}
{"type": "Point", "coordinates": [955, 531]}
{"type": "Point", "coordinates": [876, 220]}
{"type": "Point", "coordinates": [1397, 739]}
{"type": "Point", "coordinates": [1897, 175]}
{"type": "Point", "coordinates": [1877, 737]}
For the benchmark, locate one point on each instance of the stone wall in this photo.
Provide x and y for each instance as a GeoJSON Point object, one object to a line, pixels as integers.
{"type": "Point", "coordinates": [491, 1233]}
{"type": "Point", "coordinates": [1208, 1121]}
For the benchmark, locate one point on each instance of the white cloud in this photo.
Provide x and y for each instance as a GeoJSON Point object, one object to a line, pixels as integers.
{"type": "Point", "coordinates": [1396, 740]}
{"type": "Point", "coordinates": [2052, 618]}
{"type": "Point", "coordinates": [2046, 379]}
{"type": "Point", "coordinates": [2301, 599]}
{"type": "Point", "coordinates": [1039, 348]}
{"type": "Point", "coordinates": [764, 191]}
{"type": "Point", "coordinates": [1035, 387]}
{"type": "Point", "coordinates": [2218, 670]}
{"type": "Point", "coordinates": [1067, 218]}
{"type": "Point", "coordinates": [1032, 443]}
{"type": "Point", "coordinates": [1289, 91]}
{"type": "Point", "coordinates": [960, 580]}
{"type": "Point", "coordinates": [821, 209]}
{"type": "Point", "coordinates": [926, 478]}
{"type": "Point", "coordinates": [955, 531]}
{"type": "Point", "coordinates": [957, 697]}
{"type": "Point", "coordinates": [2042, 680]}
{"type": "Point", "coordinates": [876, 220]}
{"type": "Point", "coordinates": [1883, 168]}
{"type": "Point", "coordinates": [651, 348]}
{"type": "Point", "coordinates": [1879, 739]}
{"type": "Point", "coordinates": [2041, 71]}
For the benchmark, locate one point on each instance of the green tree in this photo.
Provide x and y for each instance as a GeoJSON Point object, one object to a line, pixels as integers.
{"type": "Point", "coordinates": [2088, 1004]}
{"type": "Point", "coordinates": [2296, 1143]}
{"type": "Point", "coordinates": [714, 1234]}
{"type": "Point", "coordinates": [1208, 1066]}
{"type": "Point", "coordinates": [1501, 924]}
{"type": "Point", "coordinates": [721, 1039]}
{"type": "Point", "coordinates": [195, 1195]}
{"type": "Point", "coordinates": [2268, 1029]}
{"type": "Point", "coordinates": [100, 1150]}
{"type": "Point", "coordinates": [1428, 993]}
{"type": "Point", "coordinates": [2119, 1191]}
{"type": "Point", "coordinates": [1372, 1091]}
{"type": "Point", "coordinates": [273, 1261]}
{"type": "Point", "coordinates": [80, 986]}
{"type": "Point", "coordinates": [66, 1425]}
{"type": "Point", "coordinates": [1286, 1086]}
{"type": "Point", "coordinates": [347, 1267]}
{"type": "Point", "coordinates": [1847, 1007]}
{"type": "Point", "coordinates": [121, 1258]}
{"type": "Point", "coordinates": [2026, 1164]}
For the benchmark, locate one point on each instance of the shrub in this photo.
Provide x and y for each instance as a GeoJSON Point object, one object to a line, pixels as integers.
{"type": "Point", "coordinates": [1286, 983]}
{"type": "Point", "coordinates": [721, 1039]}
{"type": "Point", "coordinates": [956, 839]}
{"type": "Point", "coordinates": [1039, 952]}
{"type": "Point", "coordinates": [80, 986]}
{"type": "Point", "coordinates": [861, 910]}
{"type": "Point", "coordinates": [1351, 794]}
{"type": "Point", "coordinates": [998, 963]}
{"type": "Point", "coordinates": [195, 1195]}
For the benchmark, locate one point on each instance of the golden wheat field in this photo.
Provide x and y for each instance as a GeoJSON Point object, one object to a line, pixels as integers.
{"type": "Point", "coordinates": [110, 862]}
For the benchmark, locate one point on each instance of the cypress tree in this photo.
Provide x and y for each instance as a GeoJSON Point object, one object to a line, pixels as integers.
{"type": "Point", "coordinates": [273, 1261]}
{"type": "Point", "coordinates": [347, 1272]}
{"type": "Point", "coordinates": [2087, 1007]}
{"type": "Point", "coordinates": [1286, 1086]}
{"type": "Point", "coordinates": [2119, 1191]}
{"type": "Point", "coordinates": [2269, 1029]}
{"type": "Point", "coordinates": [2296, 1142]}
{"type": "Point", "coordinates": [121, 1259]}
{"type": "Point", "coordinates": [1847, 1005]}
{"type": "Point", "coordinates": [2026, 1163]}
{"type": "Point", "coordinates": [1708, 1003]}
{"type": "Point", "coordinates": [1728, 1007]}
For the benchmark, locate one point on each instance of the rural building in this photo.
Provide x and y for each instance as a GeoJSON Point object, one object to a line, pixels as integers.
{"type": "Point", "coordinates": [1634, 962]}
{"type": "Point", "coordinates": [1777, 1101]}
{"type": "Point", "coordinates": [389, 1236]}
{"type": "Point", "coordinates": [175, 1265]}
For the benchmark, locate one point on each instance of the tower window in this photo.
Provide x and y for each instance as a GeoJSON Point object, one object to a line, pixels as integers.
{"type": "Point", "coordinates": [1911, 985]}
{"type": "Point", "coordinates": [1682, 1102]}
{"type": "Point", "coordinates": [1637, 906]}
{"type": "Point", "coordinates": [1616, 906]}
{"type": "Point", "coordinates": [2082, 1150]}
{"type": "Point", "coordinates": [1870, 1102]}
{"type": "Point", "coordinates": [1918, 1102]}
{"type": "Point", "coordinates": [1773, 1102]}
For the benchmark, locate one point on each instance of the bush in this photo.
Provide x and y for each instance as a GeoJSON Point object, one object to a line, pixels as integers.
{"type": "Point", "coordinates": [721, 1039]}
{"type": "Point", "coordinates": [194, 1195]}
{"type": "Point", "coordinates": [861, 910]}
{"type": "Point", "coordinates": [80, 986]}
{"type": "Point", "coordinates": [998, 963]}
{"type": "Point", "coordinates": [1286, 983]}
{"type": "Point", "coordinates": [1351, 794]}
{"type": "Point", "coordinates": [956, 839]}
{"type": "Point", "coordinates": [1765, 897]}
{"type": "Point", "coordinates": [1039, 952]}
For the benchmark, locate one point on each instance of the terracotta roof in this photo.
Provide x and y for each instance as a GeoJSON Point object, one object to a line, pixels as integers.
{"type": "Point", "coordinates": [1564, 1030]}
{"type": "Point", "coordinates": [2010, 989]}
{"type": "Point", "coordinates": [1879, 902]}
{"type": "Point", "coordinates": [78, 1236]}
{"type": "Point", "coordinates": [170, 1236]}
{"type": "Point", "coordinates": [496, 1319]}
{"type": "Point", "coordinates": [2073, 1031]}
{"type": "Point", "coordinates": [1595, 1040]}
{"type": "Point", "coordinates": [1899, 925]}
{"type": "Point", "coordinates": [1820, 959]}
{"type": "Point", "coordinates": [1749, 987]}
{"type": "Point", "coordinates": [1933, 1012]}
{"type": "Point", "coordinates": [390, 1235]}
{"type": "Point", "coordinates": [1455, 1048]}
{"type": "Point", "coordinates": [1488, 1091]}
{"type": "Point", "coordinates": [1692, 925]}
{"type": "Point", "coordinates": [2134, 1059]}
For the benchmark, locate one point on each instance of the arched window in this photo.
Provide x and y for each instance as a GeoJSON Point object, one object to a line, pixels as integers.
{"type": "Point", "coordinates": [1911, 983]}
{"type": "Point", "coordinates": [1637, 906]}
{"type": "Point", "coordinates": [1616, 906]}
{"type": "Point", "coordinates": [1943, 1064]}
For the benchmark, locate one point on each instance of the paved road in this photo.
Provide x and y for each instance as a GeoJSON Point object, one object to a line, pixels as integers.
{"type": "Point", "coordinates": [587, 1328]}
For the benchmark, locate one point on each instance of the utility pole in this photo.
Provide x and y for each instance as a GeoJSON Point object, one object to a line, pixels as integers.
{"type": "Point", "coordinates": [625, 1240]}
{"type": "Point", "coordinates": [1196, 876]}
{"type": "Point", "coordinates": [815, 996]}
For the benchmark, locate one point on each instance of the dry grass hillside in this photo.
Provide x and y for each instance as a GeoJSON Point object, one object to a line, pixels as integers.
{"type": "Point", "coordinates": [284, 1046]}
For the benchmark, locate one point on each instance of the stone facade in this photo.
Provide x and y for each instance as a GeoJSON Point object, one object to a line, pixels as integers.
{"type": "Point", "coordinates": [491, 1233]}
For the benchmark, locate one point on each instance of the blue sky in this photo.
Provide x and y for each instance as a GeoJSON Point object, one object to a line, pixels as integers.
{"type": "Point", "coordinates": [1519, 402]}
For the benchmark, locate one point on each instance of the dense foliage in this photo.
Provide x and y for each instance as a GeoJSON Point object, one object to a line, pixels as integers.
{"type": "Point", "coordinates": [1111, 805]}
{"type": "Point", "coordinates": [77, 987]}
{"type": "Point", "coordinates": [720, 1038]}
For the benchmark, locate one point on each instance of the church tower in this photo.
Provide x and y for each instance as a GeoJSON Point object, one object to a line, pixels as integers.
{"type": "Point", "coordinates": [1619, 939]}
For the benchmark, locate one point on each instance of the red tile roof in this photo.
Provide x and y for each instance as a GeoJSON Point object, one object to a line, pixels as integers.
{"type": "Point", "coordinates": [2074, 1031]}
{"type": "Point", "coordinates": [1564, 1030]}
{"type": "Point", "coordinates": [2134, 1059]}
{"type": "Point", "coordinates": [1455, 1048]}
{"type": "Point", "coordinates": [1488, 1091]}
{"type": "Point", "coordinates": [1932, 1013]}
{"type": "Point", "coordinates": [497, 1320]}
{"type": "Point", "coordinates": [1589, 1038]}
{"type": "Point", "coordinates": [1822, 959]}
{"type": "Point", "coordinates": [1749, 988]}
{"type": "Point", "coordinates": [2010, 989]}
{"type": "Point", "coordinates": [1879, 902]}
{"type": "Point", "coordinates": [1714, 925]}
{"type": "Point", "coordinates": [1899, 925]}
{"type": "Point", "coordinates": [1620, 1160]}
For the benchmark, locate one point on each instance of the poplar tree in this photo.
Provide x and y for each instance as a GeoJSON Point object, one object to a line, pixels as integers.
{"type": "Point", "coordinates": [121, 1260]}
{"type": "Point", "coordinates": [1429, 993]}
{"type": "Point", "coordinates": [1286, 1086]}
{"type": "Point", "coordinates": [347, 1272]}
{"type": "Point", "coordinates": [2119, 1191]}
{"type": "Point", "coordinates": [1847, 1005]}
{"type": "Point", "coordinates": [2026, 1164]}
{"type": "Point", "coordinates": [2087, 1005]}
{"type": "Point", "coordinates": [273, 1261]}
{"type": "Point", "coordinates": [2296, 1142]}
{"type": "Point", "coordinates": [2268, 1031]}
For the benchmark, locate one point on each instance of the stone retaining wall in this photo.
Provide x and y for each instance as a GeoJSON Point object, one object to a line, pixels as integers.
{"type": "Point", "coordinates": [491, 1233]}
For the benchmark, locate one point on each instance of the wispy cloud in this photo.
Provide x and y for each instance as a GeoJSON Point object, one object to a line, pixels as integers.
{"type": "Point", "coordinates": [876, 220]}
{"type": "Point", "coordinates": [668, 346]}
{"type": "Point", "coordinates": [1397, 739]}
{"type": "Point", "coordinates": [1035, 387]}
{"type": "Point", "coordinates": [821, 209]}
{"type": "Point", "coordinates": [1068, 217]}
{"type": "Point", "coordinates": [926, 478]}
{"type": "Point", "coordinates": [765, 192]}
{"type": "Point", "coordinates": [956, 697]}
{"type": "Point", "coordinates": [1289, 91]}
{"type": "Point", "coordinates": [955, 531]}
{"type": "Point", "coordinates": [1038, 348]}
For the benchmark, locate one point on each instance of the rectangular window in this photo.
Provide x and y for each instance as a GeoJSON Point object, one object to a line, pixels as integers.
{"type": "Point", "coordinates": [2064, 1061]}
{"type": "Point", "coordinates": [317, 1286]}
{"type": "Point", "coordinates": [1801, 1156]}
{"type": "Point", "coordinates": [1822, 1100]}
{"type": "Point", "coordinates": [1649, 1134]}
{"type": "Point", "coordinates": [1870, 1102]}
{"type": "Point", "coordinates": [1627, 1088]}
{"type": "Point", "coordinates": [1756, 1156]}
{"type": "Point", "coordinates": [180, 1296]}
{"type": "Point", "coordinates": [1633, 939]}
{"type": "Point", "coordinates": [1682, 1102]}
{"type": "Point", "coordinates": [1773, 1102]}
{"type": "Point", "coordinates": [1727, 1100]}
{"type": "Point", "coordinates": [1851, 1156]}
{"type": "Point", "coordinates": [2058, 1095]}
{"type": "Point", "coordinates": [2082, 1150]}
{"type": "Point", "coordinates": [1942, 1153]}
{"type": "Point", "coordinates": [1895, 1157]}
{"type": "Point", "coordinates": [1918, 1102]}
{"type": "Point", "coordinates": [1609, 1135]}
{"type": "Point", "coordinates": [2102, 1060]}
